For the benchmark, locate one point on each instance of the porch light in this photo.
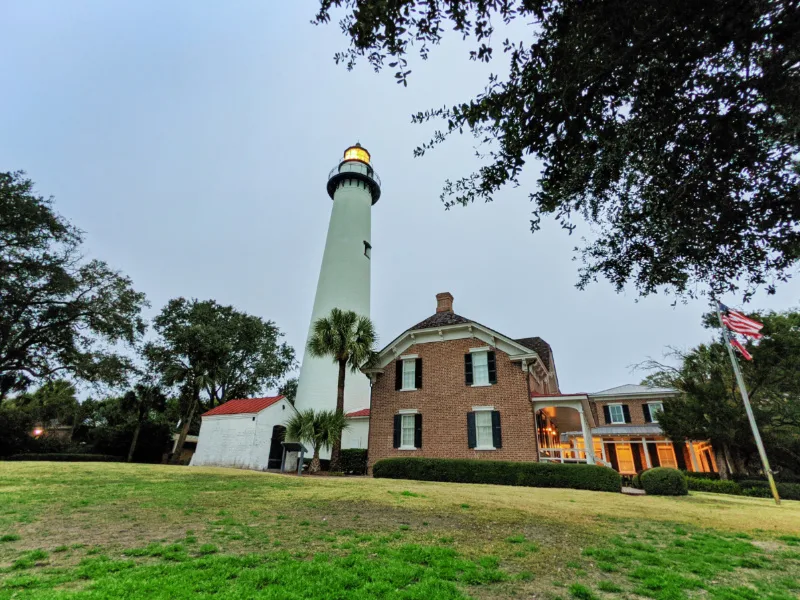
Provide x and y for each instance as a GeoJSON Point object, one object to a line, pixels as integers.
{"type": "Point", "coordinates": [37, 432]}
{"type": "Point", "coordinates": [357, 153]}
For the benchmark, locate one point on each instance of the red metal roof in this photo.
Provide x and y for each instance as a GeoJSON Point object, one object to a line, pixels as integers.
{"type": "Point", "coordinates": [242, 406]}
{"type": "Point", "coordinates": [364, 412]}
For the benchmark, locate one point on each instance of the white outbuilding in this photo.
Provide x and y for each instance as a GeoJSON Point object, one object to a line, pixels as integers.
{"type": "Point", "coordinates": [245, 433]}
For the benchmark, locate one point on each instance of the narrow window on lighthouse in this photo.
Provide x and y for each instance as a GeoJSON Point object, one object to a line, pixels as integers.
{"type": "Point", "coordinates": [367, 249]}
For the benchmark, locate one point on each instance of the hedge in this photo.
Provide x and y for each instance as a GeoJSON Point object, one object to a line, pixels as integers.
{"type": "Point", "coordinates": [64, 457]}
{"type": "Point", "coordinates": [663, 481]}
{"type": "Point", "coordinates": [354, 461]}
{"type": "Point", "coordinates": [755, 488]}
{"type": "Point", "coordinates": [699, 475]}
{"type": "Point", "coordinates": [718, 486]}
{"type": "Point", "coordinates": [530, 474]}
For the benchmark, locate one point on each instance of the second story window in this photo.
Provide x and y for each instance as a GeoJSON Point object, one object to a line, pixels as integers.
{"type": "Point", "coordinates": [409, 373]}
{"type": "Point", "coordinates": [480, 367]}
{"type": "Point", "coordinates": [615, 414]}
{"type": "Point", "coordinates": [651, 410]}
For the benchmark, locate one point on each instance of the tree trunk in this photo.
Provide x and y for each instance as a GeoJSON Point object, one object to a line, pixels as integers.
{"type": "Point", "coordinates": [336, 450]}
{"type": "Point", "coordinates": [134, 440]}
{"type": "Point", "coordinates": [315, 466]}
{"type": "Point", "coordinates": [176, 453]}
{"type": "Point", "coordinates": [722, 463]}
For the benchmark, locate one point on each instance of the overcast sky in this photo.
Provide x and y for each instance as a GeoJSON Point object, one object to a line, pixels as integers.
{"type": "Point", "coordinates": [191, 141]}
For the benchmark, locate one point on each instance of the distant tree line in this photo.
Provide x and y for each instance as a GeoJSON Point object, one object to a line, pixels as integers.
{"type": "Point", "coordinates": [65, 320]}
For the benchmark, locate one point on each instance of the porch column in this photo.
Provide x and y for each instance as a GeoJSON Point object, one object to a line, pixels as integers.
{"type": "Point", "coordinates": [646, 454]}
{"type": "Point", "coordinates": [588, 440]}
{"type": "Point", "coordinates": [695, 465]}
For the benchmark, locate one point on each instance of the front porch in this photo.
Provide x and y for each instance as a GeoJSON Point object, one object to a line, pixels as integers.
{"type": "Point", "coordinates": [564, 424]}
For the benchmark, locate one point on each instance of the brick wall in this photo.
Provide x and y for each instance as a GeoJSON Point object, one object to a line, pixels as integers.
{"type": "Point", "coordinates": [444, 401]}
{"type": "Point", "coordinates": [634, 405]}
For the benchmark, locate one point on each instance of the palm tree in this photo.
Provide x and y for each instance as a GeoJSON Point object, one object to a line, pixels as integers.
{"type": "Point", "coordinates": [348, 339]}
{"type": "Point", "coordinates": [319, 430]}
{"type": "Point", "coordinates": [140, 401]}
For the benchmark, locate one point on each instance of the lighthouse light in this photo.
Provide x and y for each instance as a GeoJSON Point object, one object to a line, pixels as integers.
{"type": "Point", "coordinates": [356, 153]}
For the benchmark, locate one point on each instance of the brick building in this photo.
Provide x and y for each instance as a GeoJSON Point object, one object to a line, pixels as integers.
{"type": "Point", "coordinates": [450, 387]}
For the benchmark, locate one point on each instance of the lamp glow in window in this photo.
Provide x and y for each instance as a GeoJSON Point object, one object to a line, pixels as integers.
{"type": "Point", "coordinates": [409, 373]}
{"type": "Point", "coordinates": [480, 368]}
{"type": "Point", "coordinates": [483, 429]}
{"type": "Point", "coordinates": [407, 432]}
{"type": "Point", "coordinates": [616, 412]}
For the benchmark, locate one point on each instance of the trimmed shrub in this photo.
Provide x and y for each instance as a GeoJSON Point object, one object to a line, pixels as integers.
{"type": "Point", "coordinates": [717, 487]}
{"type": "Point", "coordinates": [530, 474]}
{"type": "Point", "coordinates": [68, 457]}
{"type": "Point", "coordinates": [354, 461]}
{"type": "Point", "coordinates": [663, 481]}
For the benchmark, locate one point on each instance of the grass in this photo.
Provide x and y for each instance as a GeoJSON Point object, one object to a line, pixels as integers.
{"type": "Point", "coordinates": [101, 531]}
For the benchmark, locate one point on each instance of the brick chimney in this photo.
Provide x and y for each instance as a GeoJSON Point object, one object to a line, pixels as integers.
{"type": "Point", "coordinates": [444, 302]}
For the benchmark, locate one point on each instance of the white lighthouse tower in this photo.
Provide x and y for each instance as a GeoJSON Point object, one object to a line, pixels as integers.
{"type": "Point", "coordinates": [344, 278]}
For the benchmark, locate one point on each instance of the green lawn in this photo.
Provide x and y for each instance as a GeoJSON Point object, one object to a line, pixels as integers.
{"type": "Point", "coordinates": [70, 530]}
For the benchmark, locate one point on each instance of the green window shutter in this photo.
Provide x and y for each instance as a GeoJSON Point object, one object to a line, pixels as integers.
{"type": "Point", "coordinates": [492, 360]}
{"type": "Point", "coordinates": [497, 437]}
{"type": "Point", "coordinates": [627, 412]}
{"type": "Point", "coordinates": [418, 373]}
{"type": "Point", "coordinates": [397, 424]}
{"type": "Point", "coordinates": [398, 375]}
{"type": "Point", "coordinates": [468, 370]}
{"type": "Point", "coordinates": [648, 418]}
{"type": "Point", "coordinates": [472, 436]}
{"type": "Point", "coordinates": [418, 430]}
{"type": "Point", "coordinates": [607, 414]}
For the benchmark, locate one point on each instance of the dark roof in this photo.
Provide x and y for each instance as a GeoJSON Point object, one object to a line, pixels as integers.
{"type": "Point", "coordinates": [440, 319]}
{"type": "Point", "coordinates": [541, 348]}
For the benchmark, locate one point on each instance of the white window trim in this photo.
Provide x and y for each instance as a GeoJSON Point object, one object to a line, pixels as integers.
{"type": "Point", "coordinates": [477, 409]}
{"type": "Point", "coordinates": [404, 412]}
{"type": "Point", "coordinates": [407, 359]}
{"type": "Point", "coordinates": [486, 349]}
{"type": "Point", "coordinates": [611, 414]}
{"type": "Point", "coordinates": [650, 406]}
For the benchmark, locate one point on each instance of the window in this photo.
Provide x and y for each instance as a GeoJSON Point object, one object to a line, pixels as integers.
{"type": "Point", "coordinates": [655, 408]}
{"type": "Point", "coordinates": [480, 368]}
{"type": "Point", "coordinates": [483, 429]}
{"type": "Point", "coordinates": [407, 431]}
{"type": "Point", "coordinates": [409, 374]}
{"type": "Point", "coordinates": [367, 249]}
{"type": "Point", "coordinates": [616, 413]}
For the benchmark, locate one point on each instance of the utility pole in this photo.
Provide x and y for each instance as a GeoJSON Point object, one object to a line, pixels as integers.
{"type": "Point", "coordinates": [748, 409]}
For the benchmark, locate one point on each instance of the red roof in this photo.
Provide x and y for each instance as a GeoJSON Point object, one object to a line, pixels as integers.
{"type": "Point", "coordinates": [242, 406]}
{"type": "Point", "coordinates": [364, 412]}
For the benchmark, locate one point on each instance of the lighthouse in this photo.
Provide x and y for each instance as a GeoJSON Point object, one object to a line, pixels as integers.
{"type": "Point", "coordinates": [344, 277]}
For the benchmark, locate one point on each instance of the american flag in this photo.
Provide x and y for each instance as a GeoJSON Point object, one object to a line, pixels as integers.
{"type": "Point", "coordinates": [745, 354]}
{"type": "Point", "coordinates": [736, 321]}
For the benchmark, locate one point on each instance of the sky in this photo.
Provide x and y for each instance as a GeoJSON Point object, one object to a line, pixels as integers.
{"type": "Point", "coordinates": [192, 141]}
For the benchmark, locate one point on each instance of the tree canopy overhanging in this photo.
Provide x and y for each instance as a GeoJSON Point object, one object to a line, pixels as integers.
{"type": "Point", "coordinates": [673, 128]}
{"type": "Point", "coordinates": [59, 313]}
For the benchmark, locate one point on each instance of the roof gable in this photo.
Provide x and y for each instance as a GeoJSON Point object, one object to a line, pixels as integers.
{"type": "Point", "coordinates": [243, 406]}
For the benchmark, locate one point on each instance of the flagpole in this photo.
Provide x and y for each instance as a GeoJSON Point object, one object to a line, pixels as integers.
{"type": "Point", "coordinates": [748, 409]}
